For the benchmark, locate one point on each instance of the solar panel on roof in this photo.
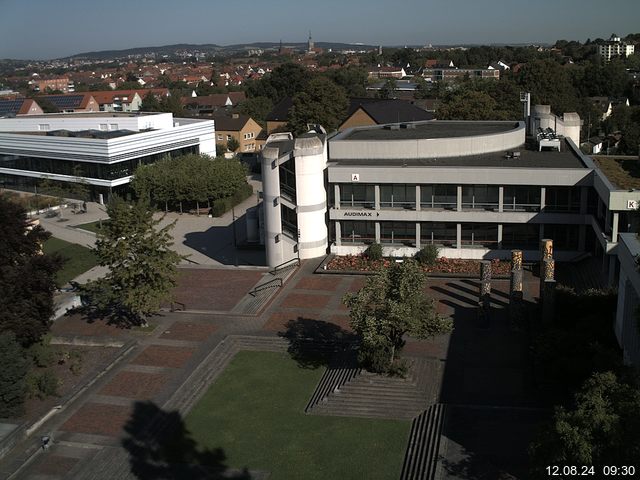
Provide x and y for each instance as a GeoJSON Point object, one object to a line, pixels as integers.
{"type": "Point", "coordinates": [10, 106]}
{"type": "Point", "coordinates": [66, 101]}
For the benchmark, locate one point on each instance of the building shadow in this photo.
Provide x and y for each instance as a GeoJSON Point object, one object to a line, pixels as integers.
{"type": "Point", "coordinates": [227, 244]}
{"type": "Point", "coordinates": [316, 343]}
{"type": "Point", "coordinates": [160, 447]}
{"type": "Point", "coordinates": [493, 410]}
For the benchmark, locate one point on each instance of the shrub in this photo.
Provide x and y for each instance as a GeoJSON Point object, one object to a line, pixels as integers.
{"type": "Point", "coordinates": [222, 205]}
{"type": "Point", "coordinates": [375, 359]}
{"type": "Point", "coordinates": [374, 252]}
{"type": "Point", "coordinates": [12, 376]}
{"type": "Point", "coordinates": [42, 384]}
{"type": "Point", "coordinates": [41, 353]}
{"type": "Point", "coordinates": [428, 255]}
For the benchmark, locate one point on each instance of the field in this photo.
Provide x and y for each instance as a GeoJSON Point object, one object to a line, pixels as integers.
{"type": "Point", "coordinates": [79, 259]}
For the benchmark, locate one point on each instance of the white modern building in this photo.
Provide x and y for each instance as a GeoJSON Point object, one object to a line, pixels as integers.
{"type": "Point", "coordinates": [100, 149]}
{"type": "Point", "coordinates": [475, 189]}
{"type": "Point", "coordinates": [614, 47]}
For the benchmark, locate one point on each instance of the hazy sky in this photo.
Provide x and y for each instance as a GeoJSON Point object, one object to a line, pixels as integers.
{"type": "Point", "coordinates": [38, 29]}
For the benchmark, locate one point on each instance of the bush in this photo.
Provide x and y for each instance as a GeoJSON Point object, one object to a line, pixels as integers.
{"type": "Point", "coordinates": [374, 252]}
{"type": "Point", "coordinates": [428, 255]}
{"type": "Point", "coordinates": [222, 205]}
{"type": "Point", "coordinates": [374, 359]}
{"type": "Point", "coordinates": [42, 384]}
{"type": "Point", "coordinates": [12, 376]}
{"type": "Point", "coordinates": [41, 353]}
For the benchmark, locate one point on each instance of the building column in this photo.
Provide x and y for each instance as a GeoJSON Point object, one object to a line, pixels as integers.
{"type": "Point", "coordinates": [458, 234]}
{"type": "Point", "coordinates": [418, 199]}
{"type": "Point", "coordinates": [613, 259]}
{"type": "Point", "coordinates": [336, 194]}
{"type": "Point", "coordinates": [418, 235]}
{"type": "Point", "coordinates": [584, 199]}
{"type": "Point", "coordinates": [377, 224]}
{"type": "Point", "coordinates": [499, 235]}
{"type": "Point", "coordinates": [543, 194]}
{"type": "Point", "coordinates": [459, 198]}
{"type": "Point", "coordinates": [614, 228]}
{"type": "Point", "coordinates": [376, 197]}
{"type": "Point", "coordinates": [501, 201]}
{"type": "Point", "coordinates": [338, 230]}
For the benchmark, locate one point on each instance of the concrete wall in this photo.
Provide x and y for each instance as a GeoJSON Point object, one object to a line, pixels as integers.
{"type": "Point", "coordinates": [626, 323]}
{"type": "Point", "coordinates": [429, 147]}
{"type": "Point", "coordinates": [89, 121]}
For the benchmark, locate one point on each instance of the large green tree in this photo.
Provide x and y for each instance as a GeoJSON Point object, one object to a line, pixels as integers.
{"type": "Point", "coordinates": [141, 262]}
{"type": "Point", "coordinates": [12, 375]}
{"type": "Point", "coordinates": [391, 305]}
{"type": "Point", "coordinates": [321, 102]}
{"type": "Point", "coordinates": [601, 428]}
{"type": "Point", "coordinates": [27, 278]}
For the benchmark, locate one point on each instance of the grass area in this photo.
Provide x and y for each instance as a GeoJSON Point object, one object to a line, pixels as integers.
{"type": "Point", "coordinates": [28, 201]}
{"type": "Point", "coordinates": [255, 413]}
{"type": "Point", "coordinates": [79, 259]}
{"type": "Point", "coordinates": [92, 226]}
{"type": "Point", "coordinates": [623, 172]}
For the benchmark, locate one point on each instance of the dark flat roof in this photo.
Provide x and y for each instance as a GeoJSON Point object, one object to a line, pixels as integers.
{"type": "Point", "coordinates": [433, 129]}
{"type": "Point", "coordinates": [528, 159]}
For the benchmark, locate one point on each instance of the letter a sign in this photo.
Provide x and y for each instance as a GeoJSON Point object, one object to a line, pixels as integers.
{"type": "Point", "coordinates": [355, 177]}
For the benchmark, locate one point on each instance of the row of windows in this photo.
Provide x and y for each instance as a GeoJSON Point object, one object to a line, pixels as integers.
{"type": "Point", "coordinates": [472, 234]}
{"type": "Point", "coordinates": [111, 171]}
{"type": "Point", "coordinates": [475, 197]}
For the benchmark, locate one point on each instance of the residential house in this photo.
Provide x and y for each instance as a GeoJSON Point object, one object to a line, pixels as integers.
{"type": "Point", "coordinates": [19, 107]}
{"type": "Point", "coordinates": [209, 104]}
{"type": "Point", "coordinates": [387, 72]}
{"type": "Point", "coordinates": [73, 102]}
{"type": "Point", "coordinates": [62, 84]}
{"type": "Point", "coordinates": [614, 47]}
{"type": "Point", "coordinates": [241, 127]}
{"type": "Point", "coordinates": [278, 117]}
{"type": "Point", "coordinates": [372, 111]}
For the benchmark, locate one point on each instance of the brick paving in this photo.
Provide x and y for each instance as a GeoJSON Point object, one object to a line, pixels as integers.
{"type": "Point", "coordinates": [214, 289]}
{"type": "Point", "coordinates": [98, 419]}
{"type": "Point", "coordinates": [318, 283]}
{"type": "Point", "coordinates": [56, 465]}
{"type": "Point", "coordinates": [304, 300]}
{"type": "Point", "coordinates": [164, 356]}
{"type": "Point", "coordinates": [78, 325]}
{"type": "Point", "coordinates": [188, 331]}
{"type": "Point", "coordinates": [136, 385]}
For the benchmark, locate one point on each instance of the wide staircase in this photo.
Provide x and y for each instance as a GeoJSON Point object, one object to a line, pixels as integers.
{"type": "Point", "coordinates": [352, 392]}
{"type": "Point", "coordinates": [423, 450]}
{"type": "Point", "coordinates": [260, 295]}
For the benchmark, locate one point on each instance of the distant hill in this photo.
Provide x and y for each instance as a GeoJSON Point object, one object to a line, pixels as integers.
{"type": "Point", "coordinates": [211, 49]}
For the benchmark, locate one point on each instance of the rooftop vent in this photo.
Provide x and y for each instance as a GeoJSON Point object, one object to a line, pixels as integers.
{"type": "Point", "coordinates": [408, 126]}
{"type": "Point", "coordinates": [515, 155]}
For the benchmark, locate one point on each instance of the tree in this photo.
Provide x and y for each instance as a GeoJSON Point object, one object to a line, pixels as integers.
{"type": "Point", "coordinates": [389, 89]}
{"type": "Point", "coordinates": [142, 265]}
{"type": "Point", "coordinates": [321, 102]}
{"type": "Point", "coordinates": [390, 305]}
{"type": "Point", "coordinates": [466, 104]}
{"type": "Point", "coordinates": [27, 278]}
{"type": "Point", "coordinates": [233, 144]}
{"type": "Point", "coordinates": [150, 103]}
{"type": "Point", "coordinates": [602, 427]}
{"type": "Point", "coordinates": [549, 84]}
{"type": "Point", "coordinates": [12, 376]}
{"type": "Point", "coordinates": [257, 108]}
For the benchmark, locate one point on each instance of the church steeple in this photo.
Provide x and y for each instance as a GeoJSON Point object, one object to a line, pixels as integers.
{"type": "Point", "coordinates": [310, 45]}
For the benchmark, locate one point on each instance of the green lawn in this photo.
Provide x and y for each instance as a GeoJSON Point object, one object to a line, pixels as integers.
{"type": "Point", "coordinates": [92, 226]}
{"type": "Point", "coordinates": [79, 259]}
{"type": "Point", "coordinates": [255, 413]}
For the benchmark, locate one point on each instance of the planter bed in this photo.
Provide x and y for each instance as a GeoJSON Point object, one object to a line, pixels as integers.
{"type": "Point", "coordinates": [445, 267]}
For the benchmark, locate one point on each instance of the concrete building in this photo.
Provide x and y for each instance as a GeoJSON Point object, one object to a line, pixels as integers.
{"type": "Point", "coordinates": [475, 189]}
{"type": "Point", "coordinates": [63, 84]}
{"type": "Point", "coordinates": [614, 47]}
{"type": "Point", "coordinates": [98, 149]}
{"type": "Point", "coordinates": [626, 325]}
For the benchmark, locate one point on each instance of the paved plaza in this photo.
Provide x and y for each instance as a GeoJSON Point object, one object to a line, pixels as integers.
{"type": "Point", "coordinates": [484, 374]}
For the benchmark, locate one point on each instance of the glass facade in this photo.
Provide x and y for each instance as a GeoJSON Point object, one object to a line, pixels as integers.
{"type": "Point", "coordinates": [521, 198]}
{"type": "Point", "coordinates": [562, 199]}
{"type": "Point", "coordinates": [398, 196]}
{"type": "Point", "coordinates": [480, 197]}
{"type": "Point", "coordinates": [287, 172]}
{"type": "Point", "coordinates": [565, 237]}
{"type": "Point", "coordinates": [483, 235]}
{"type": "Point", "coordinates": [289, 222]}
{"type": "Point", "coordinates": [439, 196]}
{"type": "Point", "coordinates": [357, 195]}
{"type": "Point", "coordinates": [435, 233]}
{"type": "Point", "coordinates": [524, 236]}
{"type": "Point", "coordinates": [357, 232]}
{"type": "Point", "coordinates": [102, 171]}
{"type": "Point", "coordinates": [398, 233]}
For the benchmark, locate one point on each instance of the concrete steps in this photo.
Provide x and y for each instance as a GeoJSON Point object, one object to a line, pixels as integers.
{"type": "Point", "coordinates": [422, 455]}
{"type": "Point", "coordinates": [345, 392]}
{"type": "Point", "coordinates": [254, 301]}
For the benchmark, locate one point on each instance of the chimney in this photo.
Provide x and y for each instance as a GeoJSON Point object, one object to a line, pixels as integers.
{"type": "Point", "coordinates": [235, 115]}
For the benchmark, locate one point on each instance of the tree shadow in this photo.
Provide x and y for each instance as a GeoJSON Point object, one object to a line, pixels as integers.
{"type": "Point", "coordinates": [161, 447]}
{"type": "Point", "coordinates": [316, 343]}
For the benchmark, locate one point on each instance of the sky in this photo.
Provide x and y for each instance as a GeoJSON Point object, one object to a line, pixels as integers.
{"type": "Point", "coordinates": [45, 29]}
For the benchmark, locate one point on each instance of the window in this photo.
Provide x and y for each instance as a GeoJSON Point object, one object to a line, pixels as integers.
{"type": "Point", "coordinates": [357, 195]}
{"type": "Point", "coordinates": [357, 232]}
{"type": "Point", "coordinates": [480, 197]}
{"type": "Point", "coordinates": [43, 127]}
{"type": "Point", "coordinates": [289, 222]}
{"type": "Point", "coordinates": [480, 235]}
{"type": "Point", "coordinates": [521, 198]}
{"type": "Point", "coordinates": [113, 126]}
{"type": "Point", "coordinates": [398, 233]}
{"type": "Point", "coordinates": [562, 199]}
{"type": "Point", "coordinates": [523, 236]}
{"type": "Point", "coordinates": [435, 233]}
{"type": "Point", "coordinates": [103, 126]}
{"type": "Point", "coordinates": [219, 137]}
{"type": "Point", "coordinates": [398, 196]}
{"type": "Point", "coordinates": [228, 137]}
{"type": "Point", "coordinates": [439, 196]}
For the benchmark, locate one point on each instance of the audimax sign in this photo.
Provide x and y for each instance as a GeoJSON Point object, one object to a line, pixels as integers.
{"type": "Point", "coordinates": [360, 214]}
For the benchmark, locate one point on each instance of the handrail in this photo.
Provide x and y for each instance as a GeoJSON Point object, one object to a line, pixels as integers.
{"type": "Point", "coordinates": [266, 285]}
{"type": "Point", "coordinates": [284, 264]}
